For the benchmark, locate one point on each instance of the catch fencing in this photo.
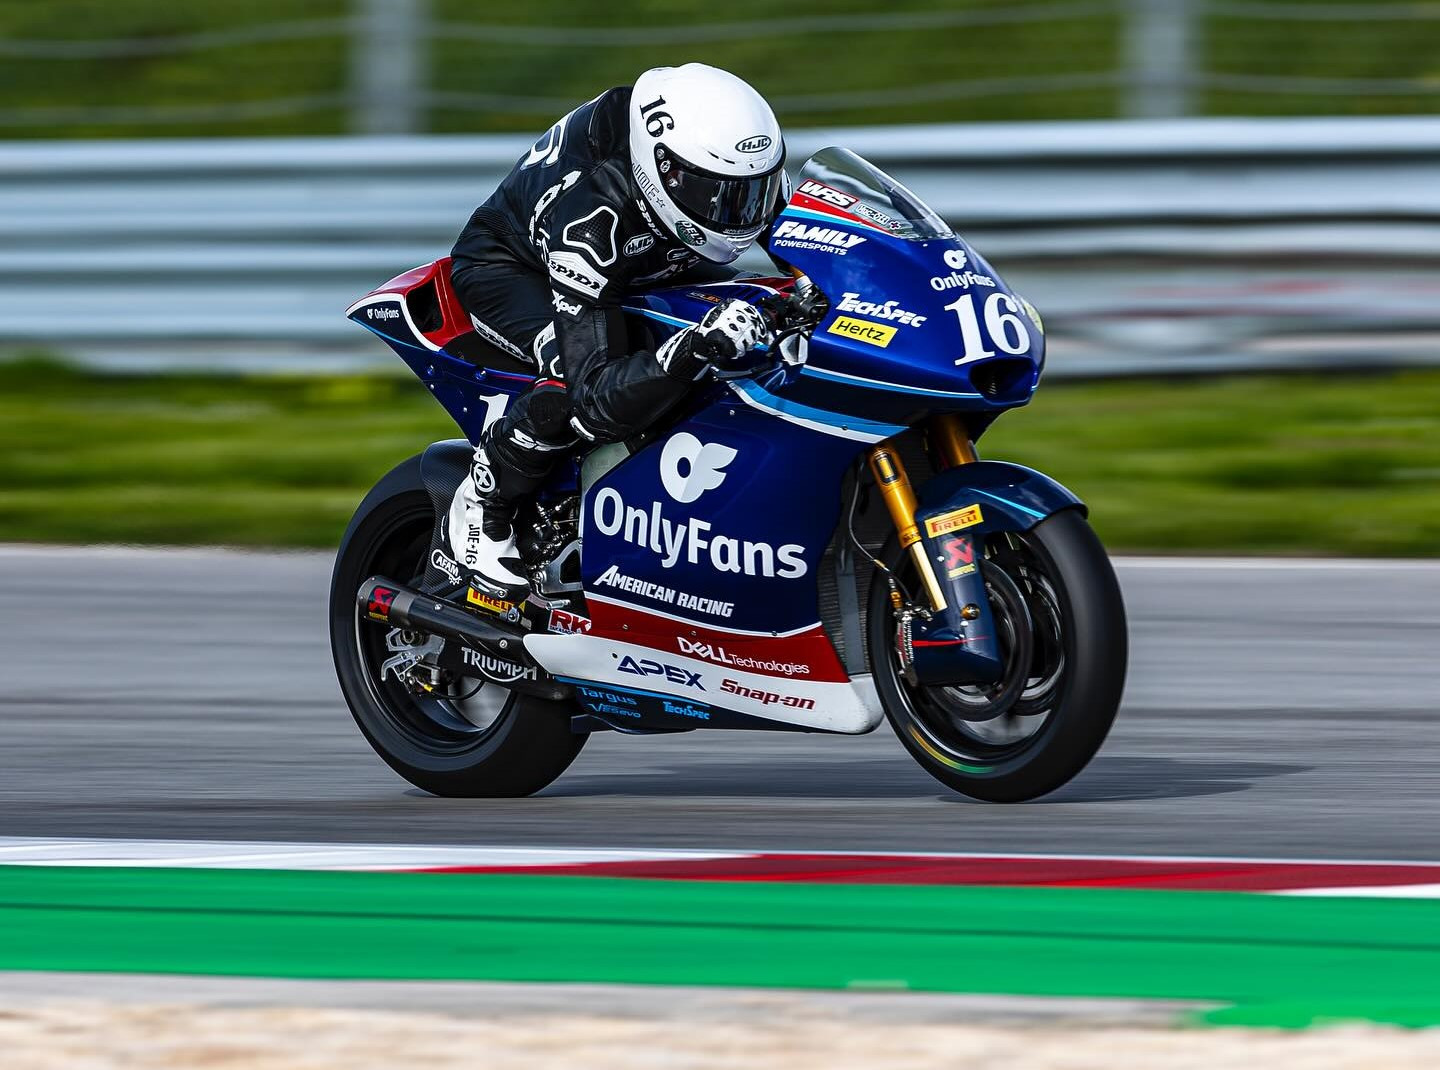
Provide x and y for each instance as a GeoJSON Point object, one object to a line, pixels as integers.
{"type": "Point", "coordinates": [1149, 246]}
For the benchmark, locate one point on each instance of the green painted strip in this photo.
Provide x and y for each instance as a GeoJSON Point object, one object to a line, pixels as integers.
{"type": "Point", "coordinates": [1279, 960]}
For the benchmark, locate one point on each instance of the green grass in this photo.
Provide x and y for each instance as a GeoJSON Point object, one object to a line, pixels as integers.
{"type": "Point", "coordinates": [824, 74]}
{"type": "Point", "coordinates": [1274, 961]}
{"type": "Point", "coordinates": [1331, 465]}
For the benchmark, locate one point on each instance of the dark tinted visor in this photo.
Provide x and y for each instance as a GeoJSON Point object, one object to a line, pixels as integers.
{"type": "Point", "coordinates": [721, 202]}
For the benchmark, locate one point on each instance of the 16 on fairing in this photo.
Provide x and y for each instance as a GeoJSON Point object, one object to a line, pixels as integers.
{"type": "Point", "coordinates": [814, 546]}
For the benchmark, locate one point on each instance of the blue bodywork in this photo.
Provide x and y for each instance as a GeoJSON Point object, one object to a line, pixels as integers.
{"type": "Point", "coordinates": [742, 554]}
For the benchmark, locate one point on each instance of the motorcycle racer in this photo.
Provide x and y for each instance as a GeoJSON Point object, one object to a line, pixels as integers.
{"type": "Point", "coordinates": [674, 176]}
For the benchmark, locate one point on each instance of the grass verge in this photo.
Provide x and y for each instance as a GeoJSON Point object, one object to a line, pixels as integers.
{"type": "Point", "coordinates": [1310, 465]}
{"type": "Point", "coordinates": [1273, 960]}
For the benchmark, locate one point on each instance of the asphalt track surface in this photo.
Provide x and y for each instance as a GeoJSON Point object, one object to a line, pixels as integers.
{"type": "Point", "coordinates": [1283, 709]}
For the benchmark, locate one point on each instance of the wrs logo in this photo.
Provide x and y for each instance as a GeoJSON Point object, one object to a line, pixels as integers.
{"type": "Point", "coordinates": [689, 467]}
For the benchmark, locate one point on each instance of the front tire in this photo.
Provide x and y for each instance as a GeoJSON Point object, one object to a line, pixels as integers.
{"type": "Point", "coordinates": [1041, 725]}
{"type": "Point", "coordinates": [481, 740]}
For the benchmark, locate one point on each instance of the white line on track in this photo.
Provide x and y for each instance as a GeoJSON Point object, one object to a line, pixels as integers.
{"type": "Point", "coordinates": [40, 850]}
{"type": "Point", "coordinates": [1381, 891]}
{"type": "Point", "coordinates": [218, 854]}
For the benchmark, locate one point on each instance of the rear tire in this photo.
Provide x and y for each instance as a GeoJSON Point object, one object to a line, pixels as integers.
{"type": "Point", "coordinates": [1077, 651]}
{"type": "Point", "coordinates": [489, 742]}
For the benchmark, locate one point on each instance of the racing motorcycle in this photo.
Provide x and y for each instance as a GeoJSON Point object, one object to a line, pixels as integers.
{"type": "Point", "coordinates": [810, 547]}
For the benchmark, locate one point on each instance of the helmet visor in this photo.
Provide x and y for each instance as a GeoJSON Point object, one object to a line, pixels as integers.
{"type": "Point", "coordinates": [719, 202]}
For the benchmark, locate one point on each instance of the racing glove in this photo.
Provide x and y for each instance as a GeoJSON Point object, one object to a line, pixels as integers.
{"type": "Point", "coordinates": [724, 341]}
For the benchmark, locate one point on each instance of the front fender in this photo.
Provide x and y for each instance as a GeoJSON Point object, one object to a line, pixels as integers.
{"type": "Point", "coordinates": [989, 496]}
{"type": "Point", "coordinates": [955, 511]}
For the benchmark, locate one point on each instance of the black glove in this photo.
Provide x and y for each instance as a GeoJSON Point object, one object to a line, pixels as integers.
{"type": "Point", "coordinates": [724, 340]}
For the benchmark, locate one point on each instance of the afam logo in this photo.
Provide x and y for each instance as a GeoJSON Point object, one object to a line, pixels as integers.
{"type": "Point", "coordinates": [689, 467]}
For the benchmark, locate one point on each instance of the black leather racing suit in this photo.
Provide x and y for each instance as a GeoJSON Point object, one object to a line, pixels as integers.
{"type": "Point", "coordinates": [541, 268]}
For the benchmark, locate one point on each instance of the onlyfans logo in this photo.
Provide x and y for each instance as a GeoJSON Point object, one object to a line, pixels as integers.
{"type": "Point", "coordinates": [689, 467]}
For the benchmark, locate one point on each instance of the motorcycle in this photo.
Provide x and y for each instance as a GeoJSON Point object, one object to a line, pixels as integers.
{"type": "Point", "coordinates": [812, 546]}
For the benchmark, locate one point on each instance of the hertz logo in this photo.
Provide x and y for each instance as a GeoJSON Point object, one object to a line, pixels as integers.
{"type": "Point", "coordinates": [875, 334]}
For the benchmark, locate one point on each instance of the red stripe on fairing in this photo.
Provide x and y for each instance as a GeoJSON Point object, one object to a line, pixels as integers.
{"type": "Point", "coordinates": [1044, 872]}
{"type": "Point", "coordinates": [812, 204]}
{"type": "Point", "coordinates": [811, 647]}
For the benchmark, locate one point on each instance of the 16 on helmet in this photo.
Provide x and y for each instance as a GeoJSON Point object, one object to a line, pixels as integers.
{"type": "Point", "coordinates": [707, 155]}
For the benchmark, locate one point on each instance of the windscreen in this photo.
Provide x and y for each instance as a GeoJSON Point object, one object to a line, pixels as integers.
{"type": "Point", "coordinates": [843, 180]}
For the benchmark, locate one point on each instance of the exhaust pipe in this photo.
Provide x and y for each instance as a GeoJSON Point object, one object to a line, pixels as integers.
{"type": "Point", "coordinates": [390, 603]}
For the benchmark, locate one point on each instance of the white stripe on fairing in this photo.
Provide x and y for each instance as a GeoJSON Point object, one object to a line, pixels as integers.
{"type": "Point", "coordinates": [216, 854]}
{"type": "Point", "coordinates": [1378, 891]}
{"type": "Point", "coordinates": [404, 311]}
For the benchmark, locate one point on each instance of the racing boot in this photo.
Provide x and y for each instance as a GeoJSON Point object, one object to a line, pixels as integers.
{"type": "Point", "coordinates": [481, 529]}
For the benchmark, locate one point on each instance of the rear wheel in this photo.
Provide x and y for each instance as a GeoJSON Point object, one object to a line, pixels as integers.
{"type": "Point", "coordinates": [1060, 622]}
{"type": "Point", "coordinates": [468, 737]}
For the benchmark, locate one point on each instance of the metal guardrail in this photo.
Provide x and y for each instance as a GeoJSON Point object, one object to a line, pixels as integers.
{"type": "Point", "coordinates": [1149, 246]}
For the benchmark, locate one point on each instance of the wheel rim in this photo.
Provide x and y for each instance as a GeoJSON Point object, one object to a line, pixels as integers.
{"type": "Point", "coordinates": [973, 728]}
{"type": "Point", "coordinates": [454, 721]}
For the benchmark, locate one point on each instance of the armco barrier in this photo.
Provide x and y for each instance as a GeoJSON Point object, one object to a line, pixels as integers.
{"type": "Point", "coordinates": [1149, 246]}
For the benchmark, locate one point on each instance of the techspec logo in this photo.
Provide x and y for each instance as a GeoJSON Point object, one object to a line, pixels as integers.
{"type": "Point", "coordinates": [689, 467]}
{"type": "Point", "coordinates": [720, 656]}
{"type": "Point", "coordinates": [889, 310]}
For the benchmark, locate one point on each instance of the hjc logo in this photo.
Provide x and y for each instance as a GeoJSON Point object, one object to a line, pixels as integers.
{"type": "Point", "coordinates": [689, 467]}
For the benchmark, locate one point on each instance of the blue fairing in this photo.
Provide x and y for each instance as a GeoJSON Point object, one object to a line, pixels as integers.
{"type": "Point", "coordinates": [743, 555]}
{"type": "Point", "coordinates": [1011, 497]}
{"type": "Point", "coordinates": [721, 518]}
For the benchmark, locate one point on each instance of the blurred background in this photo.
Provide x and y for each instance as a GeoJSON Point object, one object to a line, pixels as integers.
{"type": "Point", "coordinates": [1227, 210]}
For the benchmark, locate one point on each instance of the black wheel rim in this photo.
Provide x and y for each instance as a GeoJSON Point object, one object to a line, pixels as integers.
{"type": "Point", "coordinates": [445, 724]}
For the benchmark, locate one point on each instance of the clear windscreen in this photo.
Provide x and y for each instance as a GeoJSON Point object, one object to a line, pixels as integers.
{"type": "Point", "coordinates": [843, 180]}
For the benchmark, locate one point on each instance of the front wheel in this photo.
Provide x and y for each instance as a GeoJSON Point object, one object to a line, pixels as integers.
{"type": "Point", "coordinates": [1061, 625]}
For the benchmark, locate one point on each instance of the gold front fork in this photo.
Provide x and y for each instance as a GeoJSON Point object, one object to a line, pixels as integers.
{"type": "Point", "coordinates": [952, 442]}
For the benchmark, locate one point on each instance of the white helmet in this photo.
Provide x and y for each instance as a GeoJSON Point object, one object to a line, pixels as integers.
{"type": "Point", "coordinates": [708, 157]}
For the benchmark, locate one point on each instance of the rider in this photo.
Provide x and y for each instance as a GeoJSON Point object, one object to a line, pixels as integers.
{"type": "Point", "coordinates": [682, 171]}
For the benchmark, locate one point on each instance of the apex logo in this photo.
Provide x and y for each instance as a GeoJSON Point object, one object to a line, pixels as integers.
{"type": "Point", "coordinates": [673, 673]}
{"type": "Point", "coordinates": [689, 467]}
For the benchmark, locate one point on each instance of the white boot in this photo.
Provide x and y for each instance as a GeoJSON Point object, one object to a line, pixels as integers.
{"type": "Point", "coordinates": [481, 530]}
